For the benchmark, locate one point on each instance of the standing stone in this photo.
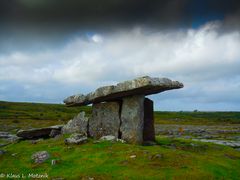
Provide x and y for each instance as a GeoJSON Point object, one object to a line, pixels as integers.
{"type": "Point", "coordinates": [148, 129]}
{"type": "Point", "coordinates": [132, 117]}
{"type": "Point", "coordinates": [79, 124]}
{"type": "Point", "coordinates": [105, 120]}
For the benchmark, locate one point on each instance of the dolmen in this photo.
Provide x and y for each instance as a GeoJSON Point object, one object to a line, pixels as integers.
{"type": "Point", "coordinates": [122, 110]}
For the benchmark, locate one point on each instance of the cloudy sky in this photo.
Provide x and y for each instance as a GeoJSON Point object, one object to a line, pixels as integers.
{"type": "Point", "coordinates": [52, 49]}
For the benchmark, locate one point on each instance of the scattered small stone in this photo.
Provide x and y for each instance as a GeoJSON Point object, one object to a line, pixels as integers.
{"type": "Point", "coordinates": [55, 161]}
{"type": "Point", "coordinates": [40, 157]}
{"type": "Point", "coordinates": [156, 156]}
{"type": "Point", "coordinates": [121, 140]}
{"type": "Point", "coordinates": [108, 138]}
{"type": "Point", "coordinates": [133, 156]}
{"type": "Point", "coordinates": [76, 139]}
{"type": "Point", "coordinates": [14, 154]}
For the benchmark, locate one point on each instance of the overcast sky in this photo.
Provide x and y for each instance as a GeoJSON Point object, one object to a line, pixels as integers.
{"type": "Point", "coordinates": [52, 49]}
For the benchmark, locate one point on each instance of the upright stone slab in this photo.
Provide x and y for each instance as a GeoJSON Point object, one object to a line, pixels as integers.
{"type": "Point", "coordinates": [148, 129]}
{"type": "Point", "coordinates": [78, 124]}
{"type": "Point", "coordinates": [105, 120]}
{"type": "Point", "coordinates": [132, 117]}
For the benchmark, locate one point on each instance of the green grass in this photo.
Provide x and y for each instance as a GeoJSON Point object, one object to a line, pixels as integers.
{"type": "Point", "coordinates": [169, 159]}
{"type": "Point", "coordinates": [197, 118]}
{"type": "Point", "coordinates": [179, 159]}
{"type": "Point", "coordinates": [14, 115]}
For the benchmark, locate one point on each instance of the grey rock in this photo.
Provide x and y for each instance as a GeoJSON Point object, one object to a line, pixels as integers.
{"type": "Point", "coordinates": [54, 133]}
{"type": "Point", "coordinates": [40, 157]}
{"type": "Point", "coordinates": [156, 157]}
{"type": "Point", "coordinates": [2, 152]}
{"type": "Point", "coordinates": [55, 161]}
{"type": "Point", "coordinates": [132, 117]}
{"type": "Point", "coordinates": [76, 139]}
{"type": "Point", "coordinates": [4, 134]}
{"type": "Point", "coordinates": [139, 86]}
{"type": "Point", "coordinates": [105, 120]}
{"type": "Point", "coordinates": [108, 138]}
{"type": "Point", "coordinates": [9, 137]}
{"type": "Point", "coordinates": [79, 124]}
{"type": "Point", "coordinates": [36, 133]}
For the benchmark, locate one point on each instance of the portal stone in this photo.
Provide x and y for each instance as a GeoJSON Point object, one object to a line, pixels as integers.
{"type": "Point", "coordinates": [105, 119]}
{"type": "Point", "coordinates": [148, 129]}
{"type": "Point", "coordinates": [132, 119]}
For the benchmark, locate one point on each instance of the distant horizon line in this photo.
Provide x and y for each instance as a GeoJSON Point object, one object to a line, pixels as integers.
{"type": "Point", "coordinates": [195, 110]}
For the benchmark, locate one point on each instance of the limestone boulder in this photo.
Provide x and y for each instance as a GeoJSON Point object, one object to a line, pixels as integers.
{"type": "Point", "coordinates": [139, 86]}
{"type": "Point", "coordinates": [36, 133]}
{"type": "Point", "coordinates": [105, 120]}
{"type": "Point", "coordinates": [79, 124]}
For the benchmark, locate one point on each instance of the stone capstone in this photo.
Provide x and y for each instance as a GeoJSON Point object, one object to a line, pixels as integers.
{"type": "Point", "coordinates": [40, 157]}
{"type": "Point", "coordinates": [37, 133]}
{"type": "Point", "coordinates": [79, 124]}
{"type": "Point", "coordinates": [139, 86]}
{"type": "Point", "coordinates": [105, 120]}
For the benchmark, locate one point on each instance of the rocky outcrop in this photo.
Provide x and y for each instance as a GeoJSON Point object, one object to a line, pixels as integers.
{"type": "Point", "coordinates": [139, 86]}
{"type": "Point", "coordinates": [79, 124]}
{"type": "Point", "coordinates": [38, 132]}
{"type": "Point", "coordinates": [105, 120]}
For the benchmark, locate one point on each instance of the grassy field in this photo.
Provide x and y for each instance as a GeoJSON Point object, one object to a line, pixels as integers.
{"type": "Point", "coordinates": [14, 116]}
{"type": "Point", "coordinates": [171, 158]}
{"type": "Point", "coordinates": [197, 118]}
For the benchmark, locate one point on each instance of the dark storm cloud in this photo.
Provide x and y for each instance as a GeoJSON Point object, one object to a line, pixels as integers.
{"type": "Point", "coordinates": [92, 12]}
